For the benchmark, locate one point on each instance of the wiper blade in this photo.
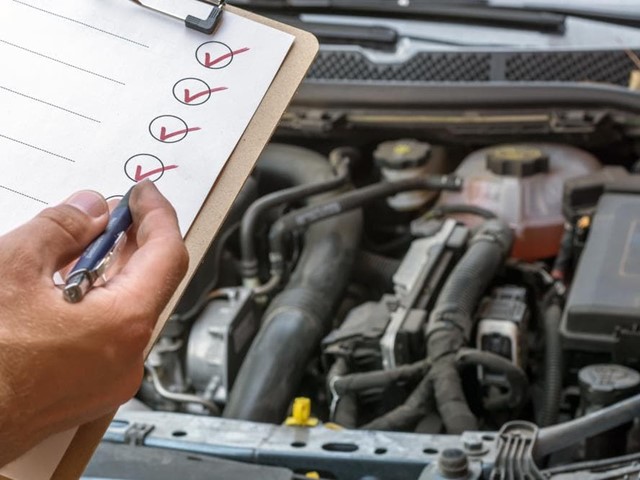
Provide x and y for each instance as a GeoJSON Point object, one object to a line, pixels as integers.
{"type": "Point", "coordinates": [625, 19]}
{"type": "Point", "coordinates": [375, 36]}
{"type": "Point", "coordinates": [463, 11]}
{"type": "Point", "coordinates": [372, 36]}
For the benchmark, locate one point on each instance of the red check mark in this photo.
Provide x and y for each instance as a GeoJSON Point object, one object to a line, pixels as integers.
{"type": "Point", "coordinates": [188, 98]}
{"type": "Point", "coordinates": [164, 135]}
{"type": "Point", "coordinates": [210, 62]}
{"type": "Point", "coordinates": [139, 176]}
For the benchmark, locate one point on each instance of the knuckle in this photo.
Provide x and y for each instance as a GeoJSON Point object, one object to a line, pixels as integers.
{"type": "Point", "coordinates": [67, 221]}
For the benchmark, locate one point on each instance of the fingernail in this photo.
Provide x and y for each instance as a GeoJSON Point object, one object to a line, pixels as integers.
{"type": "Point", "coordinates": [146, 187]}
{"type": "Point", "coordinates": [89, 202]}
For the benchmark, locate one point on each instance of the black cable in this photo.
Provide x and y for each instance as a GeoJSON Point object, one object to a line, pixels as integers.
{"type": "Point", "coordinates": [452, 319]}
{"type": "Point", "coordinates": [515, 376]}
{"type": "Point", "coordinates": [257, 209]}
{"type": "Point", "coordinates": [406, 416]}
{"type": "Point", "coordinates": [344, 406]}
{"type": "Point", "coordinates": [302, 218]}
{"type": "Point", "coordinates": [552, 366]}
{"type": "Point", "coordinates": [357, 382]}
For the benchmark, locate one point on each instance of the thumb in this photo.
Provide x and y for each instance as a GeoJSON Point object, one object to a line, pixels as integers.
{"type": "Point", "coordinates": [59, 234]}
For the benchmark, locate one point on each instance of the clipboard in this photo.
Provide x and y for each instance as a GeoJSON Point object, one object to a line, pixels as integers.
{"type": "Point", "coordinates": [218, 203]}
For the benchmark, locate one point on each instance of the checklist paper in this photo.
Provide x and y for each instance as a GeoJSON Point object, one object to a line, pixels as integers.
{"type": "Point", "coordinates": [102, 94]}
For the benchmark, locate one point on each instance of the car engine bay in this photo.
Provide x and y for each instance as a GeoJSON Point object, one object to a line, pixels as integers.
{"type": "Point", "coordinates": [433, 271]}
{"type": "Point", "coordinates": [416, 285]}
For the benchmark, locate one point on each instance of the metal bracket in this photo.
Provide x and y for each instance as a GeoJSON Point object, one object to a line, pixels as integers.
{"type": "Point", "coordinates": [514, 459]}
{"type": "Point", "coordinates": [207, 25]}
{"type": "Point", "coordinates": [136, 433]}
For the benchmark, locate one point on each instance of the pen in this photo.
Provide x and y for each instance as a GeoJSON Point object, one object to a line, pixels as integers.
{"type": "Point", "coordinates": [96, 258]}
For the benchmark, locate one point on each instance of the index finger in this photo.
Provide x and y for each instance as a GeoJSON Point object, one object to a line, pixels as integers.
{"type": "Point", "coordinates": [154, 271]}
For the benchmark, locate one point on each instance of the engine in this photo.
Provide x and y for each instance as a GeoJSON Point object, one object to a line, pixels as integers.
{"type": "Point", "coordinates": [407, 287]}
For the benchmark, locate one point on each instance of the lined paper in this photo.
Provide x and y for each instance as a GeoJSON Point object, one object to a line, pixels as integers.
{"type": "Point", "coordinates": [102, 94]}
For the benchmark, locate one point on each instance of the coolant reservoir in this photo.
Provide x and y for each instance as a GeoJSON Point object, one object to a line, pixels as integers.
{"type": "Point", "coordinates": [523, 185]}
{"type": "Point", "coordinates": [405, 159]}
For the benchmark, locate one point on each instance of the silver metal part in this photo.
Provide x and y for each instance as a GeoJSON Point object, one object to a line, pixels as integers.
{"type": "Point", "coordinates": [409, 282]}
{"type": "Point", "coordinates": [157, 8]}
{"type": "Point", "coordinates": [218, 342]}
{"type": "Point", "coordinates": [76, 287]}
{"type": "Point", "coordinates": [503, 319]}
{"type": "Point", "coordinates": [206, 25]}
{"type": "Point", "coordinates": [78, 284]}
{"type": "Point", "coordinates": [411, 273]}
{"type": "Point", "coordinates": [101, 269]}
{"type": "Point", "coordinates": [387, 455]}
{"type": "Point", "coordinates": [178, 397]}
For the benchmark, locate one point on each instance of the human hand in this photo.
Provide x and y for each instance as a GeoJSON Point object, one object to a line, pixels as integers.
{"type": "Point", "coordinates": [65, 364]}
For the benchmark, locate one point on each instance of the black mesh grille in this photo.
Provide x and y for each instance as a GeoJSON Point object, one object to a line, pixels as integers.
{"type": "Point", "coordinates": [423, 67]}
{"type": "Point", "coordinates": [606, 67]}
{"type": "Point", "coordinates": [611, 67]}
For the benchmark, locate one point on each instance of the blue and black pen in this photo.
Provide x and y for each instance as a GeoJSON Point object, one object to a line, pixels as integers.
{"type": "Point", "coordinates": [96, 258]}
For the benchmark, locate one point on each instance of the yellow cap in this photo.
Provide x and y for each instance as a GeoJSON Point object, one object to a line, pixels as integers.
{"type": "Point", "coordinates": [401, 149]}
{"type": "Point", "coordinates": [312, 475]}
{"type": "Point", "coordinates": [301, 414]}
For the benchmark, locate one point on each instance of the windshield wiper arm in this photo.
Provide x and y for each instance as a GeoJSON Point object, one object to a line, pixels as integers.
{"type": "Point", "coordinates": [366, 35]}
{"type": "Point", "coordinates": [372, 36]}
{"type": "Point", "coordinates": [463, 11]}
{"type": "Point", "coordinates": [625, 19]}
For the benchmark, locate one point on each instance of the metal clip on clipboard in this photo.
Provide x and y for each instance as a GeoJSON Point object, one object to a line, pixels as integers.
{"type": "Point", "coordinates": [207, 25]}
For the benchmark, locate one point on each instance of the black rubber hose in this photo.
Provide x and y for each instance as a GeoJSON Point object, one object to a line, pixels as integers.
{"type": "Point", "coordinates": [299, 317]}
{"type": "Point", "coordinates": [283, 166]}
{"type": "Point", "coordinates": [344, 406]}
{"type": "Point", "coordinates": [374, 269]}
{"type": "Point", "coordinates": [357, 382]}
{"type": "Point", "coordinates": [451, 320]}
{"type": "Point", "coordinates": [552, 366]}
{"type": "Point", "coordinates": [407, 415]}
{"type": "Point", "coordinates": [557, 437]}
{"type": "Point", "coordinates": [302, 218]}
{"type": "Point", "coordinates": [517, 380]}
{"type": "Point", "coordinates": [257, 209]}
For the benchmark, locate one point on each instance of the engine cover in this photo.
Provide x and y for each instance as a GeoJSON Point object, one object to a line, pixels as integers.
{"type": "Point", "coordinates": [603, 310]}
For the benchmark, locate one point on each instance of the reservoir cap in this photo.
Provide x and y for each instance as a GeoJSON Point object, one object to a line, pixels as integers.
{"type": "Point", "coordinates": [517, 161]}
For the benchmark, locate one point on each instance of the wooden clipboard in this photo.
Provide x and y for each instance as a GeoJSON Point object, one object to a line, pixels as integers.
{"type": "Point", "coordinates": [215, 207]}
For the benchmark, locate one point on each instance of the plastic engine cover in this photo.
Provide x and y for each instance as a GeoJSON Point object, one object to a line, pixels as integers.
{"type": "Point", "coordinates": [603, 308]}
